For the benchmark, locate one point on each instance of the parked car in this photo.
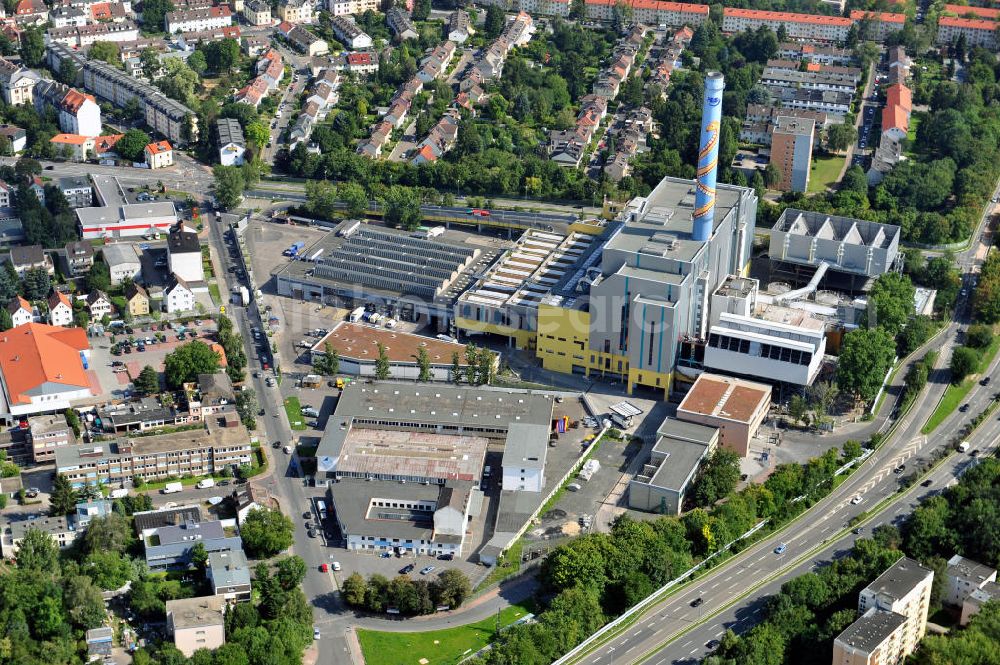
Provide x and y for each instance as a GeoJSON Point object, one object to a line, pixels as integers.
{"type": "Point", "coordinates": [427, 570]}
{"type": "Point", "coordinates": [408, 568]}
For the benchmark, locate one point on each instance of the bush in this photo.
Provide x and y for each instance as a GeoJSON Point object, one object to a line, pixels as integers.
{"type": "Point", "coordinates": [979, 336]}
{"type": "Point", "coordinates": [964, 361]}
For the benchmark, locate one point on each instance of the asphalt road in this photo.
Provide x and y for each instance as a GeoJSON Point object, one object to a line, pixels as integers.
{"type": "Point", "coordinates": [673, 631]}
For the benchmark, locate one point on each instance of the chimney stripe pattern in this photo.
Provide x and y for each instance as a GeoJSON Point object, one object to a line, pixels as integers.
{"type": "Point", "coordinates": [708, 157]}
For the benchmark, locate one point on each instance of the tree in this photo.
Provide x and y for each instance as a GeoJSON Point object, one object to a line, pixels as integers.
{"type": "Point", "coordinates": [852, 449]}
{"type": "Point", "coordinates": [153, 13]}
{"type": "Point", "coordinates": [62, 500]}
{"type": "Point", "coordinates": [382, 363]}
{"type": "Point", "coordinates": [221, 55]}
{"type": "Point", "coordinates": [132, 144]}
{"type": "Point", "coordinates": [421, 10]}
{"type": "Point", "coordinates": [865, 356]}
{"type": "Point", "coordinates": [890, 303]}
{"type": "Point", "coordinates": [979, 336]}
{"type": "Point", "coordinates": [178, 81]}
{"type": "Point", "coordinates": [148, 381]}
{"type": "Point", "coordinates": [424, 363]}
{"type": "Point", "coordinates": [401, 207]}
{"type": "Point", "coordinates": [73, 420]}
{"type": "Point", "coordinates": [718, 477]}
{"type": "Point", "coordinates": [83, 602]}
{"type": "Point", "coordinates": [33, 47]}
{"type": "Point", "coordinates": [354, 589]}
{"type": "Point", "coordinates": [109, 533]}
{"type": "Point", "coordinates": [964, 361]}
{"type": "Point", "coordinates": [37, 283]}
{"type": "Point", "coordinates": [290, 572]}
{"type": "Point", "coordinates": [456, 367]}
{"type": "Point", "coordinates": [38, 551]}
{"type": "Point", "coordinates": [187, 361]}
{"type": "Point", "coordinates": [494, 23]}
{"type": "Point", "coordinates": [99, 276]}
{"type": "Point", "coordinates": [840, 137]}
{"type": "Point", "coordinates": [6, 320]}
{"type": "Point", "coordinates": [247, 407]}
{"type": "Point", "coordinates": [109, 570]}
{"type": "Point", "coordinates": [229, 185]}
{"type": "Point", "coordinates": [797, 408]}
{"type": "Point", "coordinates": [258, 133]}
{"type": "Point", "coordinates": [321, 198]}
{"type": "Point", "coordinates": [451, 588]}
{"type": "Point", "coordinates": [106, 52]}
{"type": "Point", "coordinates": [485, 362]}
{"type": "Point", "coordinates": [266, 532]}
{"type": "Point", "coordinates": [772, 176]}
{"type": "Point", "coordinates": [355, 197]}
{"type": "Point", "coordinates": [471, 356]}
{"type": "Point", "coordinates": [199, 556]}
{"type": "Point", "coordinates": [149, 58]}
{"type": "Point", "coordinates": [67, 71]}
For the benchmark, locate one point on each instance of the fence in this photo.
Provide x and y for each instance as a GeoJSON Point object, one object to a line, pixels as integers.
{"type": "Point", "coordinates": [649, 600]}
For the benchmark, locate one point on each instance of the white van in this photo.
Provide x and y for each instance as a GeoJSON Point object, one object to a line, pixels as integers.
{"type": "Point", "coordinates": [206, 483]}
{"type": "Point", "coordinates": [172, 488]}
{"type": "Point", "coordinates": [321, 508]}
{"type": "Point", "coordinates": [963, 447]}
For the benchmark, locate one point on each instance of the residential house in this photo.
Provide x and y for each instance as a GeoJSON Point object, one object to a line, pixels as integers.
{"type": "Point", "coordinates": [184, 258]}
{"type": "Point", "coordinates": [257, 12]}
{"type": "Point", "coordinates": [347, 7]}
{"type": "Point", "coordinates": [6, 195]}
{"type": "Point", "coordinates": [303, 40]}
{"type": "Point", "coordinates": [459, 26]}
{"type": "Point", "coordinates": [99, 305]}
{"type": "Point", "coordinates": [20, 311]}
{"type": "Point", "coordinates": [68, 17]}
{"type": "Point", "coordinates": [30, 257]}
{"type": "Point", "coordinates": [178, 296]}
{"type": "Point", "coordinates": [37, 187]}
{"type": "Point", "coordinates": [78, 193]}
{"type": "Point", "coordinates": [17, 83]}
{"type": "Point", "coordinates": [197, 623]}
{"type": "Point", "coordinates": [349, 34]}
{"type": "Point", "coordinates": [232, 145]}
{"type": "Point", "coordinates": [295, 11]}
{"type": "Point", "coordinates": [104, 146]}
{"type": "Point", "coordinates": [78, 112]}
{"type": "Point", "coordinates": [137, 299]}
{"type": "Point", "coordinates": [60, 310]}
{"type": "Point", "coordinates": [79, 257]}
{"type": "Point", "coordinates": [73, 146]}
{"type": "Point", "coordinates": [159, 155]}
{"type": "Point", "coordinates": [253, 93]}
{"type": "Point", "coordinates": [361, 64]}
{"type": "Point", "coordinates": [62, 532]}
{"type": "Point", "coordinates": [271, 68]}
{"type": "Point", "coordinates": [192, 20]}
{"type": "Point", "coordinates": [400, 24]}
{"type": "Point", "coordinates": [229, 575]}
{"type": "Point", "coordinates": [18, 138]}
{"type": "Point", "coordinates": [123, 262]}
{"type": "Point", "coordinates": [964, 576]}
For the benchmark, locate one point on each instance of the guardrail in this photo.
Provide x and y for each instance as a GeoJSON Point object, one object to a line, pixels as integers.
{"type": "Point", "coordinates": [651, 599]}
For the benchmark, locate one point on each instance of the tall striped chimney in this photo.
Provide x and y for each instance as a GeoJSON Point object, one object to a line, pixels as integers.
{"type": "Point", "coordinates": [708, 156]}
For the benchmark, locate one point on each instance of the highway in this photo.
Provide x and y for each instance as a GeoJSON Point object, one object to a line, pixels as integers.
{"type": "Point", "coordinates": [732, 595]}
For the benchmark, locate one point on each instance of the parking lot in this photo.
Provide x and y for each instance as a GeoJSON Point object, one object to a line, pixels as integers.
{"type": "Point", "coordinates": [116, 379]}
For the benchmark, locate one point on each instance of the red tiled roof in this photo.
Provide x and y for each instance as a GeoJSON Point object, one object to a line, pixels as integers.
{"type": "Point", "coordinates": [787, 17]}
{"type": "Point", "coordinates": [35, 354]}
{"type": "Point", "coordinates": [898, 94]}
{"type": "Point", "coordinates": [884, 17]}
{"type": "Point", "coordinates": [655, 5]}
{"type": "Point", "coordinates": [724, 397]}
{"type": "Point", "coordinates": [359, 58]}
{"type": "Point", "coordinates": [74, 99]}
{"type": "Point", "coordinates": [100, 10]}
{"type": "Point", "coordinates": [106, 143]}
{"type": "Point", "coordinates": [158, 147]}
{"type": "Point", "coordinates": [969, 23]}
{"type": "Point", "coordinates": [71, 139]}
{"type": "Point", "coordinates": [427, 153]}
{"type": "Point", "coordinates": [894, 117]}
{"type": "Point", "coordinates": [982, 12]}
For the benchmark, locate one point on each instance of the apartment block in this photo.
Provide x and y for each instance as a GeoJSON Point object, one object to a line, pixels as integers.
{"type": "Point", "coordinates": [977, 32]}
{"type": "Point", "coordinates": [882, 24]}
{"type": "Point", "coordinates": [791, 151]}
{"type": "Point", "coordinates": [904, 589]}
{"type": "Point", "coordinates": [168, 117]}
{"type": "Point", "coordinates": [194, 20]}
{"type": "Point", "coordinates": [348, 7]}
{"type": "Point", "coordinates": [222, 442]}
{"type": "Point", "coordinates": [810, 27]}
{"type": "Point", "coordinates": [964, 577]}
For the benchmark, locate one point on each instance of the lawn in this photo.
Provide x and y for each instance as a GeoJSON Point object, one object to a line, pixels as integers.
{"type": "Point", "coordinates": [293, 409]}
{"type": "Point", "coordinates": [955, 395]}
{"type": "Point", "coordinates": [213, 290]}
{"type": "Point", "coordinates": [825, 172]}
{"type": "Point", "coordinates": [439, 647]}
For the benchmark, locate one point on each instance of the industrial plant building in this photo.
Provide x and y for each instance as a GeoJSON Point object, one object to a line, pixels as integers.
{"type": "Point", "coordinates": [663, 482]}
{"type": "Point", "coordinates": [405, 462]}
